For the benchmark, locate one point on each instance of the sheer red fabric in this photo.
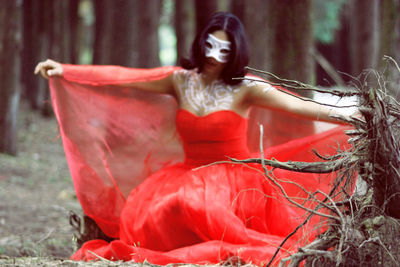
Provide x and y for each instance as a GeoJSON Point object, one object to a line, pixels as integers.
{"type": "Point", "coordinates": [168, 202]}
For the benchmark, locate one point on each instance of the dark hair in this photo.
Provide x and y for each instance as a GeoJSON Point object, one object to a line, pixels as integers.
{"type": "Point", "coordinates": [239, 56]}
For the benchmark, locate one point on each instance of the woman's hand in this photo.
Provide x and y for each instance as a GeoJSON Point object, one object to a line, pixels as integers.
{"type": "Point", "coordinates": [49, 68]}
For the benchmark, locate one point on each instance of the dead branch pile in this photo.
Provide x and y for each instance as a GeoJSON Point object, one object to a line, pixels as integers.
{"type": "Point", "coordinates": [365, 226]}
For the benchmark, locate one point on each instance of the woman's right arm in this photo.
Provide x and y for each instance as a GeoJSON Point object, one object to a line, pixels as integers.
{"type": "Point", "coordinates": [162, 86]}
{"type": "Point", "coordinates": [160, 82]}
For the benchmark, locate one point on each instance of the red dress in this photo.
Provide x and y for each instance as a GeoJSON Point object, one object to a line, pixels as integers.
{"type": "Point", "coordinates": [196, 211]}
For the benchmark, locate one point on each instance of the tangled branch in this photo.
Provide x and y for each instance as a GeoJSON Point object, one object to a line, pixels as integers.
{"type": "Point", "coordinates": [364, 228]}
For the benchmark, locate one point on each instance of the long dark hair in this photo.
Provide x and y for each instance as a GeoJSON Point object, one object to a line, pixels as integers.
{"type": "Point", "coordinates": [239, 55]}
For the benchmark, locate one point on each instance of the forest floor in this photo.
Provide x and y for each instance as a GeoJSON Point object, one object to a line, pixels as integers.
{"type": "Point", "coordinates": [36, 195]}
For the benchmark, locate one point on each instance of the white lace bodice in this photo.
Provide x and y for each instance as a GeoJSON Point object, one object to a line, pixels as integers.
{"type": "Point", "coordinates": [204, 99]}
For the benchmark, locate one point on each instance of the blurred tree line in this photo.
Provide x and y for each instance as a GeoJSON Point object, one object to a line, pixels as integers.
{"type": "Point", "coordinates": [305, 40]}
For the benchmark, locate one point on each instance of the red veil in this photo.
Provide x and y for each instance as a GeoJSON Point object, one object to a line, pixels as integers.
{"type": "Point", "coordinates": [114, 137]}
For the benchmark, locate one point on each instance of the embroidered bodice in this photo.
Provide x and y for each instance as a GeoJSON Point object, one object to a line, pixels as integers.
{"type": "Point", "coordinates": [203, 99]}
{"type": "Point", "coordinates": [207, 98]}
{"type": "Point", "coordinates": [219, 133]}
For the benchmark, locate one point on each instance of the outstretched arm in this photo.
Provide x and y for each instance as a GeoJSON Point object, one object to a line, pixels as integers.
{"type": "Point", "coordinates": [151, 80]}
{"type": "Point", "coordinates": [264, 95]}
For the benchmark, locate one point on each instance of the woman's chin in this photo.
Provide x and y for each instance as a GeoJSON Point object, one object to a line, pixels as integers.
{"type": "Point", "coordinates": [213, 66]}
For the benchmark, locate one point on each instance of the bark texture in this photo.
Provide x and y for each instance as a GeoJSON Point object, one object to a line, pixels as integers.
{"type": "Point", "coordinates": [10, 57]}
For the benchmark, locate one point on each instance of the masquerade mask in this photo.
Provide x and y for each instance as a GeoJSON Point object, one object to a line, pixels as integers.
{"type": "Point", "coordinates": [217, 48]}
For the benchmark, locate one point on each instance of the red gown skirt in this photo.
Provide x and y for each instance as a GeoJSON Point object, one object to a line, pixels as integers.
{"type": "Point", "coordinates": [122, 152]}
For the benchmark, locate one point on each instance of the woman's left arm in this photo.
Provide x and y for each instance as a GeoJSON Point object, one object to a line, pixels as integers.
{"type": "Point", "coordinates": [264, 95]}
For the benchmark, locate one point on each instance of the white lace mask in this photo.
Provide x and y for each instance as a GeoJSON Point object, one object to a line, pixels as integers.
{"type": "Point", "coordinates": [218, 49]}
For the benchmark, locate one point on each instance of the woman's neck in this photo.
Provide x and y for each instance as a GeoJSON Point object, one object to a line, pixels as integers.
{"type": "Point", "coordinates": [209, 77]}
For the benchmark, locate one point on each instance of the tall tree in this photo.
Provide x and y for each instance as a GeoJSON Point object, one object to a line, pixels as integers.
{"type": "Point", "coordinates": [57, 33]}
{"type": "Point", "coordinates": [10, 47]}
{"type": "Point", "coordinates": [49, 32]}
{"type": "Point", "coordinates": [389, 17]}
{"type": "Point", "coordinates": [126, 32]}
{"type": "Point", "coordinates": [124, 28]}
{"type": "Point", "coordinates": [184, 27]}
{"type": "Point", "coordinates": [204, 10]}
{"type": "Point", "coordinates": [396, 46]}
{"type": "Point", "coordinates": [284, 44]}
{"type": "Point", "coordinates": [63, 17]}
{"type": "Point", "coordinates": [364, 35]}
{"type": "Point", "coordinates": [238, 8]}
{"type": "Point", "coordinates": [31, 51]}
{"type": "Point", "coordinates": [148, 13]}
{"type": "Point", "coordinates": [46, 51]}
{"type": "Point", "coordinates": [389, 43]}
{"type": "Point", "coordinates": [281, 41]}
{"type": "Point", "coordinates": [258, 40]}
{"type": "Point", "coordinates": [103, 10]}
{"type": "Point", "coordinates": [397, 33]}
{"type": "Point", "coordinates": [290, 39]}
{"type": "Point", "coordinates": [72, 24]}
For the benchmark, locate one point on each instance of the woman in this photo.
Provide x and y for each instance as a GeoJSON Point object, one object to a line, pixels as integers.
{"type": "Point", "coordinates": [195, 211]}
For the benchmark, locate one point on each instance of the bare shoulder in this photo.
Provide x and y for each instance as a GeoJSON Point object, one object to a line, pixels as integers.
{"type": "Point", "coordinates": [254, 85]}
{"type": "Point", "coordinates": [181, 75]}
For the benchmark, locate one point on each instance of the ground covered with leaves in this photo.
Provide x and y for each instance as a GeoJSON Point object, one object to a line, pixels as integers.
{"type": "Point", "coordinates": [36, 194]}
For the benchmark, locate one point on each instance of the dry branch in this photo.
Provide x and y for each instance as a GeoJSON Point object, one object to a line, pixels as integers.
{"type": "Point", "coordinates": [365, 228]}
{"type": "Point", "coordinates": [300, 166]}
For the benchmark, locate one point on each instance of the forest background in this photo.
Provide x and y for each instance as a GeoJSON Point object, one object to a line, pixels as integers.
{"type": "Point", "coordinates": [304, 40]}
{"type": "Point", "coordinates": [312, 41]}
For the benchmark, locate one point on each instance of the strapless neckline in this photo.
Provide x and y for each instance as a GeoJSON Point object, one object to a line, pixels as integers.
{"type": "Point", "coordinates": [212, 137]}
{"type": "Point", "coordinates": [212, 113]}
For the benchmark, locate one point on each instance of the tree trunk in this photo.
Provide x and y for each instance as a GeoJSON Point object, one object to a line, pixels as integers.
{"type": "Point", "coordinates": [44, 51]}
{"type": "Point", "coordinates": [397, 34]}
{"type": "Point", "coordinates": [72, 24]}
{"type": "Point", "coordinates": [126, 33]}
{"type": "Point", "coordinates": [238, 8]}
{"type": "Point", "coordinates": [204, 10]}
{"type": "Point", "coordinates": [35, 49]}
{"type": "Point", "coordinates": [30, 46]}
{"type": "Point", "coordinates": [389, 17]}
{"type": "Point", "coordinates": [103, 10]}
{"type": "Point", "coordinates": [364, 35]}
{"type": "Point", "coordinates": [258, 40]}
{"type": "Point", "coordinates": [290, 39]}
{"type": "Point", "coordinates": [123, 45]}
{"type": "Point", "coordinates": [184, 27]}
{"type": "Point", "coordinates": [282, 47]}
{"type": "Point", "coordinates": [149, 18]}
{"type": "Point", "coordinates": [10, 36]}
{"type": "Point", "coordinates": [57, 27]}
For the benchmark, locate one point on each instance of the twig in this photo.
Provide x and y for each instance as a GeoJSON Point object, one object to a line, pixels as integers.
{"type": "Point", "coordinates": [299, 166]}
{"type": "Point", "coordinates": [46, 236]}
{"type": "Point", "coordinates": [302, 86]}
{"type": "Point", "coordinates": [314, 248]}
{"type": "Point", "coordinates": [303, 98]}
{"type": "Point", "coordinates": [378, 240]}
{"type": "Point", "coordinates": [393, 61]}
{"type": "Point", "coordinates": [312, 212]}
{"type": "Point", "coordinates": [324, 63]}
{"type": "Point", "coordinates": [100, 257]}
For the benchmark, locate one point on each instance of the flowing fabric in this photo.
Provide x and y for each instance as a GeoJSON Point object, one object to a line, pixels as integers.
{"type": "Point", "coordinates": [145, 171]}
